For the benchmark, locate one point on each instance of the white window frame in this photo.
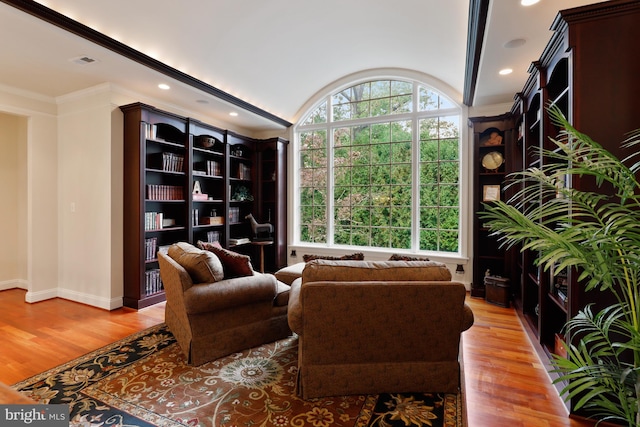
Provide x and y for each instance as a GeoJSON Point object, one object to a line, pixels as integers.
{"type": "Point", "coordinates": [464, 220]}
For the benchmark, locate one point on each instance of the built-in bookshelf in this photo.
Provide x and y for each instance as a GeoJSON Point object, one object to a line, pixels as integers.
{"type": "Point", "coordinates": [207, 185]}
{"type": "Point", "coordinates": [585, 71]}
{"type": "Point", "coordinates": [185, 180]}
{"type": "Point", "coordinates": [494, 158]}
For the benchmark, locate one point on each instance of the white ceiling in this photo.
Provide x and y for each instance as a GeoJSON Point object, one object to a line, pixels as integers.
{"type": "Point", "coordinates": [274, 54]}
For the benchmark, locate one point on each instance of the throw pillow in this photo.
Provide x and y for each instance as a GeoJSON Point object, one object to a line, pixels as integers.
{"type": "Point", "coordinates": [202, 266]}
{"type": "Point", "coordinates": [233, 263]}
{"type": "Point", "coordinates": [399, 257]}
{"type": "Point", "coordinates": [358, 256]}
{"type": "Point", "coordinates": [207, 245]}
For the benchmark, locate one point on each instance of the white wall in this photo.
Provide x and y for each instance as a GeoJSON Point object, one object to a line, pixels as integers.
{"type": "Point", "coordinates": [13, 193]}
{"type": "Point", "coordinates": [86, 200]}
{"type": "Point", "coordinates": [35, 198]}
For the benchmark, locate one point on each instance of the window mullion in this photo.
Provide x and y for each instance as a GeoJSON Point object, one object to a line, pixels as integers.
{"type": "Point", "coordinates": [330, 185]}
{"type": "Point", "coordinates": [415, 174]}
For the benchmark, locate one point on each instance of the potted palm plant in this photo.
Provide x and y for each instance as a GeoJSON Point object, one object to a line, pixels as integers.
{"type": "Point", "coordinates": [597, 234]}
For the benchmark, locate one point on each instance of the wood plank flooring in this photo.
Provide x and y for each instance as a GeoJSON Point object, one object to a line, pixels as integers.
{"type": "Point", "coordinates": [505, 382]}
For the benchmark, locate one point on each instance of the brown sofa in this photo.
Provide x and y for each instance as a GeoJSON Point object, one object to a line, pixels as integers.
{"type": "Point", "coordinates": [212, 316]}
{"type": "Point", "coordinates": [368, 327]}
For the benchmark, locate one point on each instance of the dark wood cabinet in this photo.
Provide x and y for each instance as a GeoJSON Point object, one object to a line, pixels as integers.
{"type": "Point", "coordinates": [589, 69]}
{"type": "Point", "coordinates": [185, 180]}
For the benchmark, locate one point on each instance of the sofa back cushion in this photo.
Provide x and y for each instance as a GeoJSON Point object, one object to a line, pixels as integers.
{"type": "Point", "coordinates": [374, 271]}
{"type": "Point", "coordinates": [203, 266]}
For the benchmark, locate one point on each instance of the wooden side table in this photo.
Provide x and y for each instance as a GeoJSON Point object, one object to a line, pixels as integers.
{"type": "Point", "coordinates": [262, 244]}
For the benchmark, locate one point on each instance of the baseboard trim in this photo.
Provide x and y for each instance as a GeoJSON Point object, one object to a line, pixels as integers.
{"type": "Point", "coordinates": [13, 284]}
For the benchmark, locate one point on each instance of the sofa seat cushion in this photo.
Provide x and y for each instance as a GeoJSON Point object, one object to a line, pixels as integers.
{"type": "Point", "coordinates": [290, 273]}
{"type": "Point", "coordinates": [202, 266]}
{"type": "Point", "coordinates": [375, 271]}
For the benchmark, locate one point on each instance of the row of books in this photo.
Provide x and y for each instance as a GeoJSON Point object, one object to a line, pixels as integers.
{"type": "Point", "coordinates": [156, 221]}
{"type": "Point", "coordinates": [167, 161]}
{"type": "Point", "coordinates": [150, 248]}
{"type": "Point", "coordinates": [165, 192]}
{"type": "Point", "coordinates": [234, 214]}
{"type": "Point", "coordinates": [195, 217]}
{"type": "Point", "coordinates": [152, 282]}
{"type": "Point", "coordinates": [244, 171]}
{"type": "Point", "coordinates": [210, 168]}
{"type": "Point", "coordinates": [150, 131]}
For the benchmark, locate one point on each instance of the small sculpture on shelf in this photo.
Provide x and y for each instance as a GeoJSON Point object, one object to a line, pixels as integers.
{"type": "Point", "coordinates": [259, 230]}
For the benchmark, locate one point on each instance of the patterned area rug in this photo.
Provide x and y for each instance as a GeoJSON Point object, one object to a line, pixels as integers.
{"type": "Point", "coordinates": [143, 380]}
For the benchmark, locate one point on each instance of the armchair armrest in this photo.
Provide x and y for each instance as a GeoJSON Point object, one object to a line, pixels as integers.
{"type": "Point", "coordinates": [294, 311]}
{"type": "Point", "coordinates": [206, 297]}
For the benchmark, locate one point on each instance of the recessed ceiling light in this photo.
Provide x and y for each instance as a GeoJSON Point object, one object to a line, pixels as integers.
{"type": "Point", "coordinates": [233, 113]}
{"type": "Point", "coordinates": [202, 101]}
{"type": "Point", "coordinates": [164, 86]}
{"type": "Point", "coordinates": [505, 71]}
{"type": "Point", "coordinates": [528, 2]}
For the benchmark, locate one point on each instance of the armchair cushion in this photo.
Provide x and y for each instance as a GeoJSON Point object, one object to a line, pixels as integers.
{"type": "Point", "coordinates": [282, 294]}
{"type": "Point", "coordinates": [202, 266]}
{"type": "Point", "coordinates": [209, 297]}
{"type": "Point", "coordinates": [290, 273]}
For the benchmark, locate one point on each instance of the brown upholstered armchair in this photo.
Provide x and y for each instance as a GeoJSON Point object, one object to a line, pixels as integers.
{"type": "Point", "coordinates": [211, 315]}
{"type": "Point", "coordinates": [373, 327]}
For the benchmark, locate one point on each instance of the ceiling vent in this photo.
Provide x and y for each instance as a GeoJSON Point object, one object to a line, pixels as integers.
{"type": "Point", "coordinates": [83, 60]}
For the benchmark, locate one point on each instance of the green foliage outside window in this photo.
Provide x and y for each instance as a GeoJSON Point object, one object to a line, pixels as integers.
{"type": "Point", "coordinates": [370, 200]}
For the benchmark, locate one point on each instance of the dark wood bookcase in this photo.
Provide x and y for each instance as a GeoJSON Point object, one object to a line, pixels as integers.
{"type": "Point", "coordinates": [588, 69]}
{"type": "Point", "coordinates": [494, 158]}
{"type": "Point", "coordinates": [272, 197]}
{"type": "Point", "coordinates": [167, 157]}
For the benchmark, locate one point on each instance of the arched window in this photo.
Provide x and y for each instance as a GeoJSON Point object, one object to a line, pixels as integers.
{"type": "Point", "coordinates": [379, 167]}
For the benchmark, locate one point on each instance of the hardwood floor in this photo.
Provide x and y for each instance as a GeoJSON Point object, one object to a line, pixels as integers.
{"type": "Point", "coordinates": [40, 336]}
{"type": "Point", "coordinates": [505, 382]}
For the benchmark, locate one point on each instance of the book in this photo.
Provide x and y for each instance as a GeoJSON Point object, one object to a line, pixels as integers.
{"type": "Point", "coordinates": [239, 241]}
